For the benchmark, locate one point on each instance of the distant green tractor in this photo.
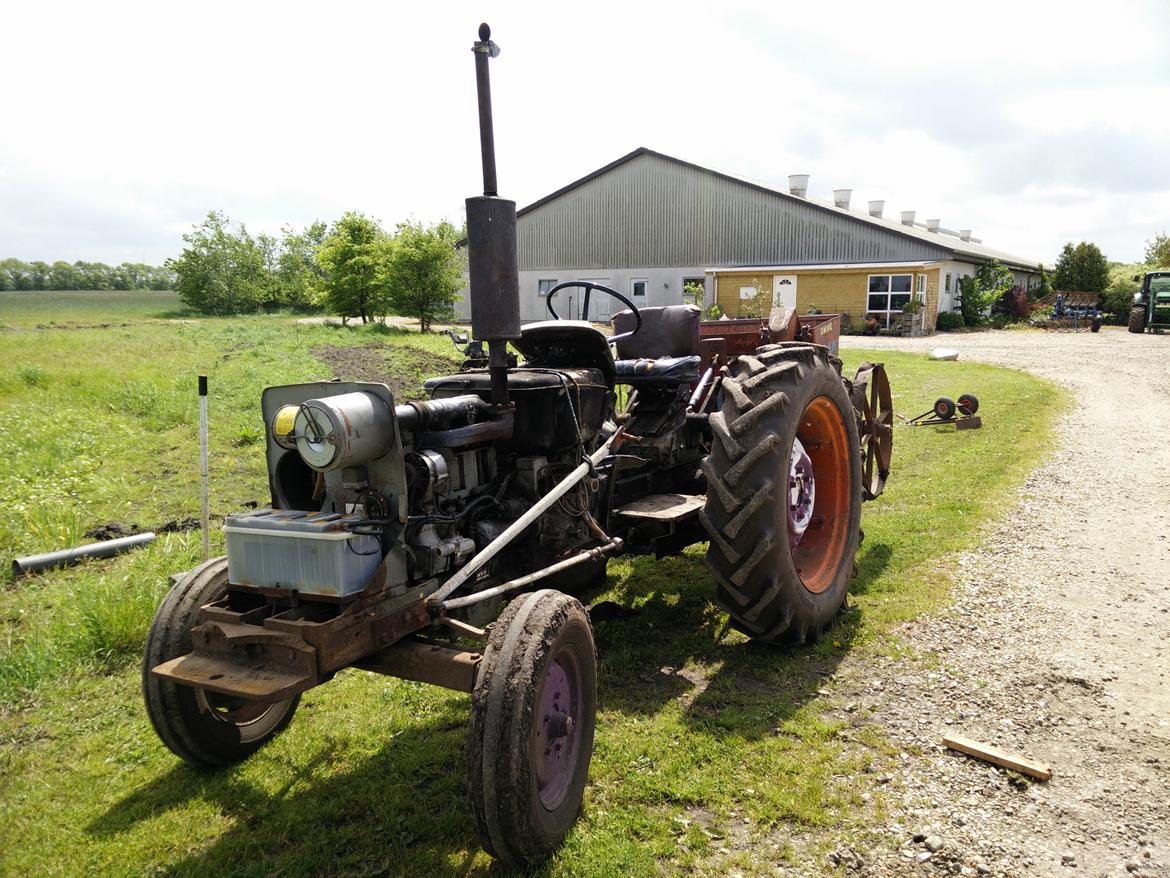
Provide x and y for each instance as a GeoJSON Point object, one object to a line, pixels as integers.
{"type": "Point", "coordinates": [1151, 304]}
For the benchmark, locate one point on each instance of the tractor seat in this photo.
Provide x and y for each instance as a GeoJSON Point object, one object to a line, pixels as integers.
{"type": "Point", "coordinates": [664, 351]}
{"type": "Point", "coordinates": [664, 370]}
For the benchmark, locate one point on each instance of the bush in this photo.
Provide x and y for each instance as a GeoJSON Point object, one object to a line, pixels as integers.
{"type": "Point", "coordinates": [1118, 296]}
{"type": "Point", "coordinates": [949, 321]}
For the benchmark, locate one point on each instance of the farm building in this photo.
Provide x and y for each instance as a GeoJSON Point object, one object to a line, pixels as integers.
{"type": "Point", "coordinates": [648, 223]}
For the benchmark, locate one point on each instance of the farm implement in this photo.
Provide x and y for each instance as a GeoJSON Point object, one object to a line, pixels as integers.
{"type": "Point", "coordinates": [947, 411]}
{"type": "Point", "coordinates": [443, 540]}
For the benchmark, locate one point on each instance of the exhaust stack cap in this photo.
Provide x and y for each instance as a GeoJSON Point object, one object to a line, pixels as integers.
{"type": "Point", "coordinates": [876, 208]}
{"type": "Point", "coordinates": [932, 225]}
{"type": "Point", "coordinates": [907, 217]}
{"type": "Point", "coordinates": [798, 185]}
{"type": "Point", "coordinates": [841, 197]}
{"type": "Point", "coordinates": [965, 234]}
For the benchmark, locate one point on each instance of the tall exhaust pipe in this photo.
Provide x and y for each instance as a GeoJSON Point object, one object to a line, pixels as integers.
{"type": "Point", "coordinates": [491, 241]}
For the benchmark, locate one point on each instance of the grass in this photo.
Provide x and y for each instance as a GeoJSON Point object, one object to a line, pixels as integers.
{"type": "Point", "coordinates": [710, 750]}
{"type": "Point", "coordinates": [73, 307]}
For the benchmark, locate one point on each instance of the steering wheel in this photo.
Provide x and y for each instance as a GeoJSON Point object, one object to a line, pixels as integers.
{"type": "Point", "coordinates": [589, 287]}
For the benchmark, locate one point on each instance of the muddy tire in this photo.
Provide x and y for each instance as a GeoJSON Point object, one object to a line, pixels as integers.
{"type": "Point", "coordinates": [531, 732]}
{"type": "Point", "coordinates": [1137, 319]}
{"type": "Point", "coordinates": [204, 728]}
{"type": "Point", "coordinates": [781, 572]}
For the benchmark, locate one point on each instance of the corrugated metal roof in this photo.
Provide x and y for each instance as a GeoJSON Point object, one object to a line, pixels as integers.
{"type": "Point", "coordinates": [770, 269]}
{"type": "Point", "coordinates": [621, 220]}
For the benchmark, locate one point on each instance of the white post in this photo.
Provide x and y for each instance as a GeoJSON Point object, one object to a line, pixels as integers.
{"type": "Point", "coordinates": [203, 463]}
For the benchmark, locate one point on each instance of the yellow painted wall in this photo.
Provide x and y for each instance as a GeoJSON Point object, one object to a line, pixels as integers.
{"type": "Point", "coordinates": [830, 290]}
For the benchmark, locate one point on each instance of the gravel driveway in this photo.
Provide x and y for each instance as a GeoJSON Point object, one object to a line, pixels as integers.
{"type": "Point", "coordinates": [1057, 645]}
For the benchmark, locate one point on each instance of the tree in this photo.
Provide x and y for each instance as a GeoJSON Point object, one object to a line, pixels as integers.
{"type": "Point", "coordinates": [353, 258]}
{"type": "Point", "coordinates": [1118, 296]}
{"type": "Point", "coordinates": [1158, 251]}
{"type": "Point", "coordinates": [222, 270]}
{"type": "Point", "coordinates": [298, 274]}
{"type": "Point", "coordinates": [425, 272]}
{"type": "Point", "coordinates": [1081, 269]}
{"type": "Point", "coordinates": [1043, 287]}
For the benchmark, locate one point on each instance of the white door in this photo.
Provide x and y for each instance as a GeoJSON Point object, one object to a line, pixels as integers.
{"type": "Point", "coordinates": [784, 291]}
{"type": "Point", "coordinates": [600, 304]}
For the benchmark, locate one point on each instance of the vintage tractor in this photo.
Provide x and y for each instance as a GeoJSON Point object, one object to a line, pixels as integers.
{"type": "Point", "coordinates": [1151, 304]}
{"type": "Point", "coordinates": [440, 540]}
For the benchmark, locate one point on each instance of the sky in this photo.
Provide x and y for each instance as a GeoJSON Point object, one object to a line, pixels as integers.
{"type": "Point", "coordinates": [122, 124]}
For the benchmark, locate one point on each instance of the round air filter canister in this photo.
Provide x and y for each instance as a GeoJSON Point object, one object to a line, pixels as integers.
{"type": "Point", "coordinates": [343, 430]}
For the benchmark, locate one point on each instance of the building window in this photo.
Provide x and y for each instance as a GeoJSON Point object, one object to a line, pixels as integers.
{"type": "Point", "coordinates": [947, 285]}
{"type": "Point", "coordinates": [543, 286]}
{"type": "Point", "coordinates": [887, 294]}
{"type": "Point", "coordinates": [638, 288]}
{"type": "Point", "coordinates": [746, 293]}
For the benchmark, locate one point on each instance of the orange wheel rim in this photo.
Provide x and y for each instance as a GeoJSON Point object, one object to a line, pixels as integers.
{"type": "Point", "coordinates": [817, 552]}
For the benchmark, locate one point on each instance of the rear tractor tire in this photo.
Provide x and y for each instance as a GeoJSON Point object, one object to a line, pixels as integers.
{"type": "Point", "coordinates": [1137, 319]}
{"type": "Point", "coordinates": [531, 733]}
{"type": "Point", "coordinates": [206, 729]}
{"type": "Point", "coordinates": [784, 493]}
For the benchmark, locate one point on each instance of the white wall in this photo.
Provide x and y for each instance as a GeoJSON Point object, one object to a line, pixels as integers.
{"type": "Point", "coordinates": [947, 301]}
{"type": "Point", "coordinates": [664, 287]}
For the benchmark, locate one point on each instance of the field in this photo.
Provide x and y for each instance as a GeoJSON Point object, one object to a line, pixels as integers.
{"type": "Point", "coordinates": [710, 750]}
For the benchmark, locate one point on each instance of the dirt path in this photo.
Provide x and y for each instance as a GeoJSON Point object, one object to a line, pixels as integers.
{"type": "Point", "coordinates": [1057, 645]}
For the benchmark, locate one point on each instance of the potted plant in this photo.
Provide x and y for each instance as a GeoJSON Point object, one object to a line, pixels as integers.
{"type": "Point", "coordinates": [910, 316]}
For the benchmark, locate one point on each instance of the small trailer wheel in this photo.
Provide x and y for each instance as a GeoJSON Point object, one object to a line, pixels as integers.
{"type": "Point", "coordinates": [944, 408]}
{"type": "Point", "coordinates": [970, 402]}
{"type": "Point", "coordinates": [531, 732]}
{"type": "Point", "coordinates": [206, 729]}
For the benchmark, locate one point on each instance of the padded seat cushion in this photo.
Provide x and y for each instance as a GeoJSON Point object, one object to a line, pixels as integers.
{"type": "Point", "coordinates": [664, 370]}
{"type": "Point", "coordinates": [670, 331]}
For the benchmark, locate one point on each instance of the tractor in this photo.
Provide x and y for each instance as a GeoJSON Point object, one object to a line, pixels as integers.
{"type": "Point", "coordinates": [446, 540]}
{"type": "Point", "coordinates": [1151, 303]}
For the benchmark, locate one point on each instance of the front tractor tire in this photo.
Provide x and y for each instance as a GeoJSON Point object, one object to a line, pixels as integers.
{"type": "Point", "coordinates": [1137, 319]}
{"type": "Point", "coordinates": [206, 729]}
{"type": "Point", "coordinates": [531, 733]}
{"type": "Point", "coordinates": [784, 493]}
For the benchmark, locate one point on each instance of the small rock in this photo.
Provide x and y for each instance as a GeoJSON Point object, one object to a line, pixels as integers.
{"type": "Point", "coordinates": [924, 856]}
{"type": "Point", "coordinates": [934, 844]}
{"type": "Point", "coordinates": [1068, 860]}
{"type": "Point", "coordinates": [919, 837]}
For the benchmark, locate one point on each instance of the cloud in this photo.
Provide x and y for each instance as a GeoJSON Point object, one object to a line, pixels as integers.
{"type": "Point", "coordinates": [1027, 122]}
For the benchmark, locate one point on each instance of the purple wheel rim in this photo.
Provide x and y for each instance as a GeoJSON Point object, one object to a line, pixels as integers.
{"type": "Point", "coordinates": [801, 492]}
{"type": "Point", "coordinates": [557, 738]}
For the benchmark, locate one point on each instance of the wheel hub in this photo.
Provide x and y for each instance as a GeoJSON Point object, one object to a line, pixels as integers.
{"type": "Point", "coordinates": [801, 492]}
{"type": "Point", "coordinates": [556, 743]}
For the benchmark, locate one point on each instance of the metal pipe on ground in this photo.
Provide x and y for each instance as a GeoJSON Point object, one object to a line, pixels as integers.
{"type": "Point", "coordinates": [63, 557]}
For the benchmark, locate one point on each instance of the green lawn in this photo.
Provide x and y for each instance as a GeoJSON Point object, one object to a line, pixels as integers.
{"type": "Point", "coordinates": [709, 749]}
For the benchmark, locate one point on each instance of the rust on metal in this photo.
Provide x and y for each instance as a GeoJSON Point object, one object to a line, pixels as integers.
{"type": "Point", "coordinates": [427, 663]}
{"type": "Point", "coordinates": [872, 400]}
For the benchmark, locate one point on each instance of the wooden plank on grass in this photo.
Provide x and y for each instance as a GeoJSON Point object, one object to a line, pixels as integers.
{"type": "Point", "coordinates": [988, 753]}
